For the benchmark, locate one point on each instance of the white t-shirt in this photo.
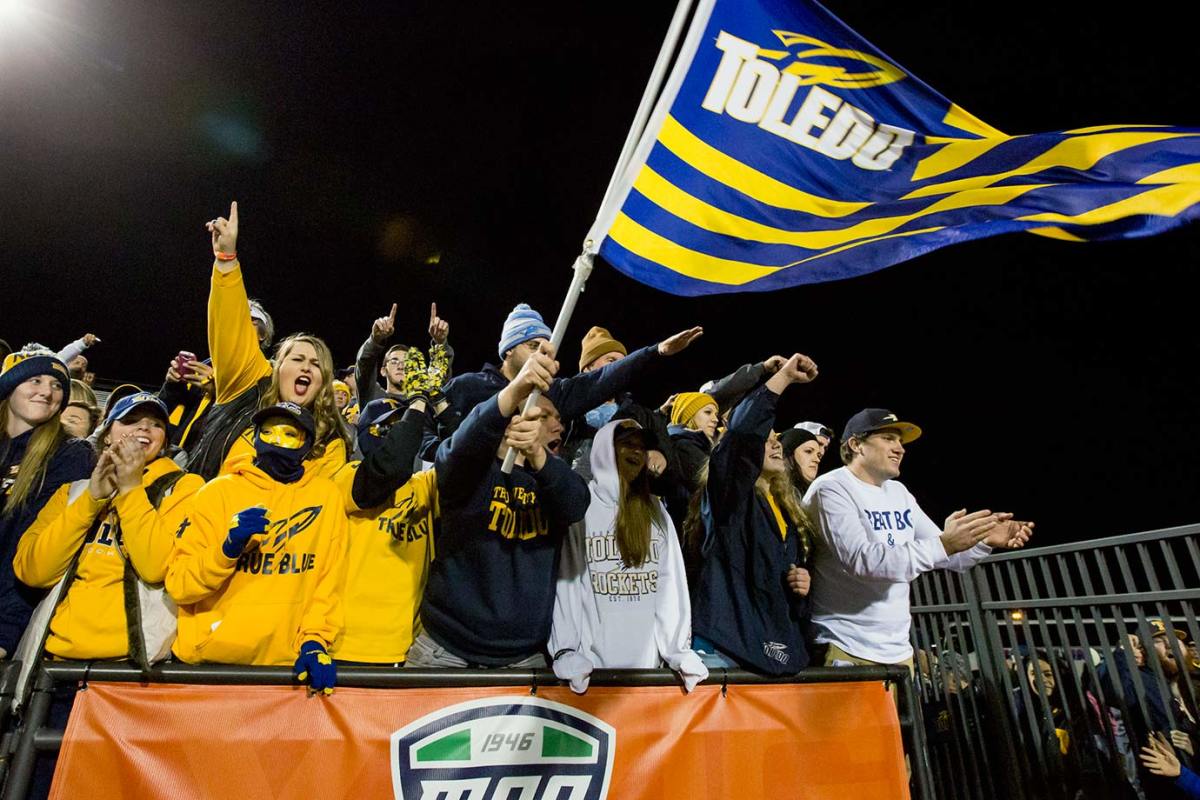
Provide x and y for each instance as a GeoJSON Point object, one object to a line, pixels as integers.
{"type": "Point", "coordinates": [874, 540]}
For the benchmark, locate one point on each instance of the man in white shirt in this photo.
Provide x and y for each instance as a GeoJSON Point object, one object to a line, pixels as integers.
{"type": "Point", "coordinates": [875, 540]}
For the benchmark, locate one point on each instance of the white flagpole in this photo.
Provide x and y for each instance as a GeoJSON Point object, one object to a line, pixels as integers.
{"type": "Point", "coordinates": [583, 263]}
{"type": "Point", "coordinates": [657, 76]}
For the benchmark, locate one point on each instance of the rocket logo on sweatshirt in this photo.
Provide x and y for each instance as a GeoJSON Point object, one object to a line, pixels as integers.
{"type": "Point", "coordinates": [504, 747]}
{"type": "Point", "coordinates": [282, 531]}
{"type": "Point", "coordinates": [271, 557]}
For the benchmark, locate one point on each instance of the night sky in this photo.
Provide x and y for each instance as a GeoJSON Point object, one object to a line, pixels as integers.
{"type": "Point", "coordinates": [458, 152]}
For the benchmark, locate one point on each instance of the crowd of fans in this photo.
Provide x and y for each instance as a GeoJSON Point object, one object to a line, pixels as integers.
{"type": "Point", "coordinates": [279, 510]}
{"type": "Point", "coordinates": [266, 508]}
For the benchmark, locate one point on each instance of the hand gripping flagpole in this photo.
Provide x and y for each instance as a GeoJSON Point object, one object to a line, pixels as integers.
{"type": "Point", "coordinates": [583, 263]}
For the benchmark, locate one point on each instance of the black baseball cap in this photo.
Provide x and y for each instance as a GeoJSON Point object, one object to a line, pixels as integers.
{"type": "Point", "coordinates": [871, 420]}
{"type": "Point", "coordinates": [302, 416]}
{"type": "Point", "coordinates": [793, 438]}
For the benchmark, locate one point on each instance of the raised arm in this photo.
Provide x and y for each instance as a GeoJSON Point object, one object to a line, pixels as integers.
{"type": "Point", "coordinates": [237, 362]}
{"type": "Point", "coordinates": [575, 396]}
{"type": "Point", "coordinates": [730, 390]}
{"type": "Point", "coordinates": [563, 495]}
{"type": "Point", "coordinates": [464, 458]}
{"type": "Point", "coordinates": [366, 363]}
{"type": "Point", "coordinates": [389, 466]}
{"type": "Point", "coordinates": [736, 461]}
{"type": "Point", "coordinates": [77, 347]}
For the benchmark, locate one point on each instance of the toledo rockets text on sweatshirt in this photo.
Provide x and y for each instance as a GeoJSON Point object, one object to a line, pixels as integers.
{"type": "Point", "coordinates": [608, 615]}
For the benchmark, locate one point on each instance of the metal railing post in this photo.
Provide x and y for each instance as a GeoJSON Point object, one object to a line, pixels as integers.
{"type": "Point", "coordinates": [991, 666]}
{"type": "Point", "coordinates": [25, 758]}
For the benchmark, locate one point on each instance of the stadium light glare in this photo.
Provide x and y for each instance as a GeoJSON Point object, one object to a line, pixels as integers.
{"type": "Point", "coordinates": [13, 12]}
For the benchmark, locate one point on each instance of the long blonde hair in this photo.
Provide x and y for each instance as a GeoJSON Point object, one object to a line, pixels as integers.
{"type": "Point", "coordinates": [637, 513]}
{"type": "Point", "coordinates": [43, 443]}
{"type": "Point", "coordinates": [330, 423]}
{"type": "Point", "coordinates": [779, 487]}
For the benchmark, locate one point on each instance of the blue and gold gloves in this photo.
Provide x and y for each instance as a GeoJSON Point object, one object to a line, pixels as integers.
{"type": "Point", "coordinates": [246, 525]}
{"type": "Point", "coordinates": [316, 668]}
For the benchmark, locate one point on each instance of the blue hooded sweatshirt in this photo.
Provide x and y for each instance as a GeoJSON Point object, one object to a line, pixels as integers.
{"type": "Point", "coordinates": [741, 602]}
{"type": "Point", "coordinates": [490, 593]}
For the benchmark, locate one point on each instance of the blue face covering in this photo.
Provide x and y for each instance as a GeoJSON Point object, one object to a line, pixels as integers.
{"type": "Point", "coordinates": [281, 463]}
{"type": "Point", "coordinates": [600, 416]}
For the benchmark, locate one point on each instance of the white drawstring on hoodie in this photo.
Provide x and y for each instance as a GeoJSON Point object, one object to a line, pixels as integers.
{"type": "Point", "coordinates": [607, 615]}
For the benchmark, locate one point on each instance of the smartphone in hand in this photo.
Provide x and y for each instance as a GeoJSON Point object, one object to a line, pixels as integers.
{"type": "Point", "coordinates": [183, 363]}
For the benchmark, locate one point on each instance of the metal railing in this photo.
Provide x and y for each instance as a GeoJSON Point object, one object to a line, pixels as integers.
{"type": "Point", "coordinates": [1037, 670]}
{"type": "Point", "coordinates": [32, 736]}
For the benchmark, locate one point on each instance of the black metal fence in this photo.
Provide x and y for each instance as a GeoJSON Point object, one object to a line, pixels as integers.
{"type": "Point", "coordinates": [1042, 672]}
{"type": "Point", "coordinates": [32, 735]}
{"type": "Point", "coordinates": [1039, 674]}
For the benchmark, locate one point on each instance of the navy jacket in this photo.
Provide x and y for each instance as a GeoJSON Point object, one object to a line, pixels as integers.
{"type": "Point", "coordinates": [490, 593]}
{"type": "Point", "coordinates": [573, 396]}
{"type": "Point", "coordinates": [71, 462]}
{"type": "Point", "coordinates": [742, 603]}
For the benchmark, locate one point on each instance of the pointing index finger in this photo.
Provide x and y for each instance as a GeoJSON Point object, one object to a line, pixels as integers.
{"type": "Point", "coordinates": [392, 316]}
{"type": "Point", "coordinates": [233, 214]}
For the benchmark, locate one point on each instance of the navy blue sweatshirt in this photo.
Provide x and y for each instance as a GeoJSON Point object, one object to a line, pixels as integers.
{"type": "Point", "coordinates": [71, 462]}
{"type": "Point", "coordinates": [742, 602]}
{"type": "Point", "coordinates": [573, 396]}
{"type": "Point", "coordinates": [490, 593]}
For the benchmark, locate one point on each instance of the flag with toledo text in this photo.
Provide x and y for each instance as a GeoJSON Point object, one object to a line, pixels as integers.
{"type": "Point", "coordinates": [785, 149]}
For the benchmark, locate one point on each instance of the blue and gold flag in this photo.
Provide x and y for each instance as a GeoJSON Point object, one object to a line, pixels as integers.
{"type": "Point", "coordinates": [785, 149]}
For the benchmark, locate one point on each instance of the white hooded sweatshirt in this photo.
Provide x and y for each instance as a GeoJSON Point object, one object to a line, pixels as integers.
{"type": "Point", "coordinates": [610, 616]}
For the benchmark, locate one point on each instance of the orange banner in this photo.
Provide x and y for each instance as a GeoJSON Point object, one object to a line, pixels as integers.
{"type": "Point", "coordinates": [836, 741]}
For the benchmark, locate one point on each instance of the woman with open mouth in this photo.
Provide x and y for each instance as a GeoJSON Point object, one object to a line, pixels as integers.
{"type": "Point", "coordinates": [37, 456]}
{"type": "Point", "coordinates": [246, 381]}
{"type": "Point", "coordinates": [622, 596]}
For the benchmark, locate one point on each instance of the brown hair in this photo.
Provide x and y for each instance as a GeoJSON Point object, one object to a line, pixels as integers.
{"type": "Point", "coordinates": [43, 443]}
{"type": "Point", "coordinates": [693, 526]}
{"type": "Point", "coordinates": [82, 394]}
{"type": "Point", "coordinates": [636, 515]}
{"type": "Point", "coordinates": [330, 422]}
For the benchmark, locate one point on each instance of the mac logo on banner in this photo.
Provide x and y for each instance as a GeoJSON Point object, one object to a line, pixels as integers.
{"type": "Point", "coordinates": [504, 748]}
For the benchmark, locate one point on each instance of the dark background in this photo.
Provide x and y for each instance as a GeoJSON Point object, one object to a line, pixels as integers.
{"type": "Point", "coordinates": [365, 141]}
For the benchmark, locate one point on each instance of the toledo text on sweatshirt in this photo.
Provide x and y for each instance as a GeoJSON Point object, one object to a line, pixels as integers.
{"type": "Point", "coordinates": [490, 592]}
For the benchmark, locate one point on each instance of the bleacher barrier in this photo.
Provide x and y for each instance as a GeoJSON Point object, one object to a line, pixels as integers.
{"type": "Point", "coordinates": [993, 727]}
{"type": "Point", "coordinates": [249, 732]}
{"type": "Point", "coordinates": [976, 721]}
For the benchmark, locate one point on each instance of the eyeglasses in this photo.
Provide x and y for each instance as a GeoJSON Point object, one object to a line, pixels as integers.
{"type": "Point", "coordinates": [391, 362]}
